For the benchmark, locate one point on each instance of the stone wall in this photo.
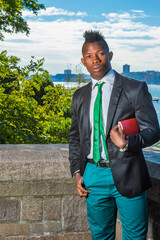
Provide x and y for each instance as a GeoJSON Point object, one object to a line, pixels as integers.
{"type": "Point", "coordinates": [37, 195]}
{"type": "Point", "coordinates": [38, 199]}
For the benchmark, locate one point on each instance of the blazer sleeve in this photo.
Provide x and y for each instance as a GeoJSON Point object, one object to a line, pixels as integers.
{"type": "Point", "coordinates": [147, 120]}
{"type": "Point", "coordinates": [74, 139]}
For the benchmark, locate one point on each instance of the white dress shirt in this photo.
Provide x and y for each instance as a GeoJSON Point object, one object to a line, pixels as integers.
{"type": "Point", "coordinates": [108, 80]}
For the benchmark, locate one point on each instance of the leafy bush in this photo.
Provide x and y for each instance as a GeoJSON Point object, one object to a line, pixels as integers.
{"type": "Point", "coordinates": [32, 109]}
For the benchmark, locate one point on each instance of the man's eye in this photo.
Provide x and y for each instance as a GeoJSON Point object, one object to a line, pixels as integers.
{"type": "Point", "coordinates": [101, 53]}
{"type": "Point", "coordinates": [88, 56]}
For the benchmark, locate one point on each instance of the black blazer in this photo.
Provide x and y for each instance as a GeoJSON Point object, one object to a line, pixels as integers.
{"type": "Point", "coordinates": [129, 99]}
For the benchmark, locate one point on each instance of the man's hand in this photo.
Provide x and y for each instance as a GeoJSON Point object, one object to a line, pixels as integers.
{"type": "Point", "coordinates": [118, 137]}
{"type": "Point", "coordinates": [82, 192]}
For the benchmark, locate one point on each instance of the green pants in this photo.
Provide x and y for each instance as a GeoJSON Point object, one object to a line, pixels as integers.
{"type": "Point", "coordinates": [102, 205]}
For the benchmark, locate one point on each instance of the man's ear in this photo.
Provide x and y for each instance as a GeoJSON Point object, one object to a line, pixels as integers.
{"type": "Point", "coordinates": [82, 60]}
{"type": "Point", "coordinates": [110, 55]}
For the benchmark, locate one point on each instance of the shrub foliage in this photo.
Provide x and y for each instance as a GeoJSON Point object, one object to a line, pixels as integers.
{"type": "Point", "coordinates": [32, 108]}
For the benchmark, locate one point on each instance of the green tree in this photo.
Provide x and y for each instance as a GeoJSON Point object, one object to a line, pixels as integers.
{"type": "Point", "coordinates": [40, 79]}
{"type": "Point", "coordinates": [19, 119]}
{"type": "Point", "coordinates": [57, 113]}
{"type": "Point", "coordinates": [18, 108]}
{"type": "Point", "coordinates": [11, 19]}
{"type": "Point", "coordinates": [25, 115]}
{"type": "Point", "coordinates": [9, 71]}
{"type": "Point", "coordinates": [34, 72]}
{"type": "Point", "coordinates": [80, 78]}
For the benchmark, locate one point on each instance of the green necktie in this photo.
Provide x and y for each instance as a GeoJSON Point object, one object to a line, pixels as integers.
{"type": "Point", "coordinates": [98, 126]}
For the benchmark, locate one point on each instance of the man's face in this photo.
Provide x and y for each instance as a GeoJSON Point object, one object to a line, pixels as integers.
{"type": "Point", "coordinates": [96, 59]}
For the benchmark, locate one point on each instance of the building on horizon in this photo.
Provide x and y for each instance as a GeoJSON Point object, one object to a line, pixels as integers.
{"type": "Point", "coordinates": [126, 69]}
{"type": "Point", "coordinates": [67, 75]}
{"type": "Point", "coordinates": [68, 71]}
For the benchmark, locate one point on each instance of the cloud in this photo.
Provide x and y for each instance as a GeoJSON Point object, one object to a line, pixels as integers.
{"type": "Point", "coordinates": [81, 14]}
{"type": "Point", "coordinates": [53, 11]}
{"type": "Point", "coordinates": [137, 11]}
{"type": "Point", "coordinates": [124, 15]}
{"type": "Point", "coordinates": [60, 42]}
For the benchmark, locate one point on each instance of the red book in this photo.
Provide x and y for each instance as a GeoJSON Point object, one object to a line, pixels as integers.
{"type": "Point", "coordinates": [129, 126]}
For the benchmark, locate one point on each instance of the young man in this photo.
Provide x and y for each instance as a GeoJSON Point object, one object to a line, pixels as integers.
{"type": "Point", "coordinates": [108, 167]}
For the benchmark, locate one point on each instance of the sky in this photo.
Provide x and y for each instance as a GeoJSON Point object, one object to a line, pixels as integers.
{"type": "Point", "coordinates": [131, 28]}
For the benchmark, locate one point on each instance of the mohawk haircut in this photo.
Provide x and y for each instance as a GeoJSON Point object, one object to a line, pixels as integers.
{"type": "Point", "coordinates": [94, 36]}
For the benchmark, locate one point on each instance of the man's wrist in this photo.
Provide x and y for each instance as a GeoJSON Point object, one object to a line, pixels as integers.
{"type": "Point", "coordinates": [125, 148]}
{"type": "Point", "coordinates": [78, 171]}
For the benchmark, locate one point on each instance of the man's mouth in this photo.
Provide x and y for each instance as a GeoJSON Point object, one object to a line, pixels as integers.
{"type": "Point", "coordinates": [97, 68]}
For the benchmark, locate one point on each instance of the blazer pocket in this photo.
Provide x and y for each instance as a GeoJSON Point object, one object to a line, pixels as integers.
{"type": "Point", "coordinates": [129, 154]}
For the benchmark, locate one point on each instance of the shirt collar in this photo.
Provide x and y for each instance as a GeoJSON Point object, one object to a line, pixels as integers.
{"type": "Point", "coordinates": [109, 78]}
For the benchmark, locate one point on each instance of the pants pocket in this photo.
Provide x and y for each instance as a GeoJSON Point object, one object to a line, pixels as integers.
{"type": "Point", "coordinates": [85, 174]}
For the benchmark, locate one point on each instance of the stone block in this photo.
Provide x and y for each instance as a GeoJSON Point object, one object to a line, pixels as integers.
{"type": "Point", "coordinates": [156, 231]}
{"type": "Point", "coordinates": [154, 220]}
{"type": "Point", "coordinates": [32, 209]}
{"type": "Point", "coordinates": [14, 229]}
{"type": "Point", "coordinates": [150, 224]}
{"type": "Point", "coordinates": [154, 211]}
{"type": "Point", "coordinates": [74, 214]}
{"type": "Point", "coordinates": [52, 208]}
{"type": "Point", "coordinates": [78, 236]}
{"type": "Point", "coordinates": [48, 227]}
{"type": "Point", "coordinates": [24, 165]}
{"type": "Point", "coordinates": [37, 188]}
{"type": "Point", "coordinates": [153, 193]}
{"type": "Point", "coordinates": [9, 210]}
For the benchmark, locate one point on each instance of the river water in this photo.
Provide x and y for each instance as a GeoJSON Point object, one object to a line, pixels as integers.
{"type": "Point", "coordinates": [153, 89]}
{"type": "Point", "coordinates": [155, 92]}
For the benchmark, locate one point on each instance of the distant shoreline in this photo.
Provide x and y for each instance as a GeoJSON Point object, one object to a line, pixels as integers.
{"type": "Point", "coordinates": [150, 77]}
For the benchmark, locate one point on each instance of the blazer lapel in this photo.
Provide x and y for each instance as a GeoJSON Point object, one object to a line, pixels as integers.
{"type": "Point", "coordinates": [86, 107]}
{"type": "Point", "coordinates": [115, 95]}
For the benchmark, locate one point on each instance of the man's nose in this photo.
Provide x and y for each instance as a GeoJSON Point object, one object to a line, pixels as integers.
{"type": "Point", "coordinates": [96, 59]}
